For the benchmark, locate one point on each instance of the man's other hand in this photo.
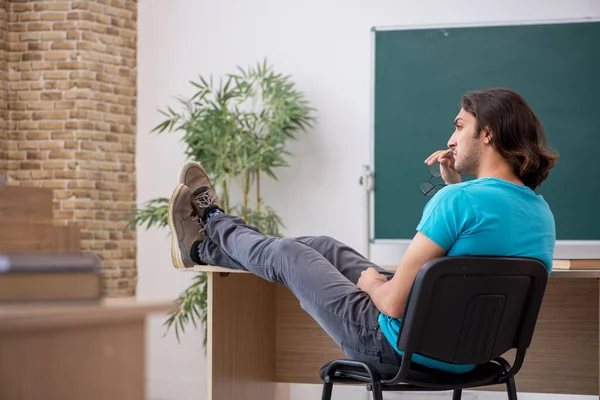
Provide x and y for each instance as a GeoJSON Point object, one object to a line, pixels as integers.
{"type": "Point", "coordinates": [446, 160]}
{"type": "Point", "coordinates": [369, 279]}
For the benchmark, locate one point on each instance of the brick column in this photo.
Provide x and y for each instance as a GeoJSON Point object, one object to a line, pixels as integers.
{"type": "Point", "coordinates": [3, 84]}
{"type": "Point", "coordinates": [71, 119]}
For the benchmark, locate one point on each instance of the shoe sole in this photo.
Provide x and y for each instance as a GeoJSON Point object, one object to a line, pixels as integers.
{"type": "Point", "coordinates": [175, 252]}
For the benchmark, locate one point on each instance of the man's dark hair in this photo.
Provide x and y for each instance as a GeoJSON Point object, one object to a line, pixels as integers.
{"type": "Point", "coordinates": [517, 133]}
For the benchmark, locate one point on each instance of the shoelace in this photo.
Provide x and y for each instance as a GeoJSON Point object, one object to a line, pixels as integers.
{"type": "Point", "coordinates": [196, 218]}
{"type": "Point", "coordinates": [204, 199]}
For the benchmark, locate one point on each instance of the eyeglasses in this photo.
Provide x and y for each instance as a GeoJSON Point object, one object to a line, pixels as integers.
{"type": "Point", "coordinates": [429, 188]}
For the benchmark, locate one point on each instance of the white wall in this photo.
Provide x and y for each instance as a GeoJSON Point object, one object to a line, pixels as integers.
{"type": "Point", "coordinates": [325, 45]}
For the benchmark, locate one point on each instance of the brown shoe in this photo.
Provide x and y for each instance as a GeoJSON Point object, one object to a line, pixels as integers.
{"type": "Point", "coordinates": [184, 228]}
{"type": "Point", "coordinates": [194, 176]}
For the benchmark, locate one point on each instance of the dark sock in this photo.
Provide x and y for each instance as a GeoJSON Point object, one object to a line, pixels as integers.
{"type": "Point", "coordinates": [194, 253]}
{"type": "Point", "coordinates": [211, 211]}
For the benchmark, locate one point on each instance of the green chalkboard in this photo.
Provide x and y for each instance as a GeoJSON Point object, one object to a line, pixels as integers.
{"type": "Point", "coordinates": [420, 76]}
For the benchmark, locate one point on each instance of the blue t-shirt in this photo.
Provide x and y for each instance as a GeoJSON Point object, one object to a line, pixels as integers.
{"type": "Point", "coordinates": [483, 217]}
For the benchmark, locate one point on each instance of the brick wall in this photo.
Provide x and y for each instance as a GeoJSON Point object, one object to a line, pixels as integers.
{"type": "Point", "coordinates": [3, 82]}
{"type": "Point", "coordinates": [71, 100]}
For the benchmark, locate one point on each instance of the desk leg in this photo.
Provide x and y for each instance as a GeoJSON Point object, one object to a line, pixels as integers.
{"type": "Point", "coordinates": [241, 339]}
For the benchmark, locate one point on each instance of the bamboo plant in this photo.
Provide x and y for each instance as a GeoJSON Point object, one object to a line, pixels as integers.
{"type": "Point", "coordinates": [238, 130]}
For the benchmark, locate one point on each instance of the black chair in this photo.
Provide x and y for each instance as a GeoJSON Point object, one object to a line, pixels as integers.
{"type": "Point", "coordinates": [461, 310]}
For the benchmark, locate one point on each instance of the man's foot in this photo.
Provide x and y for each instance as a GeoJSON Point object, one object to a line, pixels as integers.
{"type": "Point", "coordinates": [184, 228]}
{"type": "Point", "coordinates": [204, 202]}
{"type": "Point", "coordinates": [194, 176]}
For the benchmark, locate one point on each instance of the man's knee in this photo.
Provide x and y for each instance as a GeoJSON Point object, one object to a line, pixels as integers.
{"type": "Point", "coordinates": [325, 242]}
{"type": "Point", "coordinates": [286, 246]}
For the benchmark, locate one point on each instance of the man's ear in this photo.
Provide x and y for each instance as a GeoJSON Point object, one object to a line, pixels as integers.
{"type": "Point", "coordinates": [487, 135]}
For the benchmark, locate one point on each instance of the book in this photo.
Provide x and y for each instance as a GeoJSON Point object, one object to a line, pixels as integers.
{"type": "Point", "coordinates": [576, 264]}
{"type": "Point", "coordinates": [44, 262]}
{"type": "Point", "coordinates": [49, 277]}
{"type": "Point", "coordinates": [19, 204]}
{"type": "Point", "coordinates": [38, 237]}
{"type": "Point", "coordinates": [50, 286]}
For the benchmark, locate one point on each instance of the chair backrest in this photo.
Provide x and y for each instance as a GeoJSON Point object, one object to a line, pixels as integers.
{"type": "Point", "coordinates": [470, 310]}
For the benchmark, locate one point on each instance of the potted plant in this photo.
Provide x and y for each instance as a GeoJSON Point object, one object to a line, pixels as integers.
{"type": "Point", "coordinates": [238, 130]}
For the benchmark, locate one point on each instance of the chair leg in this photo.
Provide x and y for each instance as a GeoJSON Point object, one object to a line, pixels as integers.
{"type": "Point", "coordinates": [375, 387]}
{"type": "Point", "coordinates": [511, 389]}
{"type": "Point", "coordinates": [457, 395]}
{"type": "Point", "coordinates": [327, 390]}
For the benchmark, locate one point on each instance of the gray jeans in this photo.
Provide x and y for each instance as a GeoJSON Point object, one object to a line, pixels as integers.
{"type": "Point", "coordinates": [320, 271]}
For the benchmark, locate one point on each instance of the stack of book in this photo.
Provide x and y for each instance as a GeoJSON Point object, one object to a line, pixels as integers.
{"type": "Point", "coordinates": [576, 264]}
{"type": "Point", "coordinates": [40, 260]}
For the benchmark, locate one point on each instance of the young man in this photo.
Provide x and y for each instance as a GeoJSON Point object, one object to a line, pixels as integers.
{"type": "Point", "coordinates": [497, 138]}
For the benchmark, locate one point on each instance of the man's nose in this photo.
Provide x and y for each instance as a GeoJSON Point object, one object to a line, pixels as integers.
{"type": "Point", "coordinates": [452, 142]}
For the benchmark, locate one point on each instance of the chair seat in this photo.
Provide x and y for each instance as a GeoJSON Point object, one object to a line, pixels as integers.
{"type": "Point", "coordinates": [484, 374]}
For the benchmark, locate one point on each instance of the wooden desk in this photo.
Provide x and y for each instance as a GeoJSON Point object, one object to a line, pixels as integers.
{"type": "Point", "coordinates": [76, 351]}
{"type": "Point", "coordinates": [259, 337]}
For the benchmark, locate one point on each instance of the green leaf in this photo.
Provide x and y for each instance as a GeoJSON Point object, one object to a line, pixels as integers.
{"type": "Point", "coordinates": [154, 214]}
{"type": "Point", "coordinates": [241, 124]}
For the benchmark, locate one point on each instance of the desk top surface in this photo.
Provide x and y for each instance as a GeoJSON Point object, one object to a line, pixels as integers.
{"type": "Point", "coordinates": [556, 273]}
{"type": "Point", "coordinates": [48, 314]}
